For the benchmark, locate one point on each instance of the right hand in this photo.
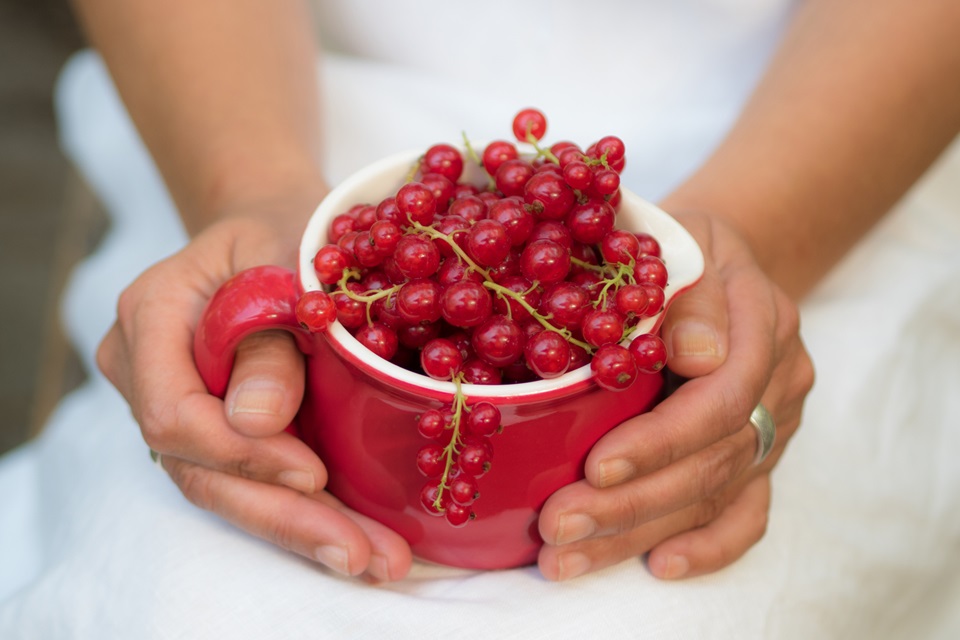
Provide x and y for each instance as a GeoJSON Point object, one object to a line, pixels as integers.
{"type": "Point", "coordinates": [233, 456]}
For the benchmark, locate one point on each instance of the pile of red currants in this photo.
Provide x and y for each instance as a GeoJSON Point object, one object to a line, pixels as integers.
{"type": "Point", "coordinates": [523, 278]}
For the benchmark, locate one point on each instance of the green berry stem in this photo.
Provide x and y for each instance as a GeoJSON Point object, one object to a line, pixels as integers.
{"type": "Point", "coordinates": [500, 290]}
{"type": "Point", "coordinates": [449, 451]}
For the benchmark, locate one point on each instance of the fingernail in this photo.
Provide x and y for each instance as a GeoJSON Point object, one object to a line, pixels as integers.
{"type": "Point", "coordinates": [379, 567]}
{"type": "Point", "coordinates": [574, 526]}
{"type": "Point", "coordinates": [676, 567]}
{"type": "Point", "coordinates": [693, 338]}
{"type": "Point", "coordinates": [257, 396]}
{"type": "Point", "coordinates": [573, 564]}
{"type": "Point", "coordinates": [615, 471]}
{"type": "Point", "coordinates": [334, 556]}
{"type": "Point", "coordinates": [301, 481]}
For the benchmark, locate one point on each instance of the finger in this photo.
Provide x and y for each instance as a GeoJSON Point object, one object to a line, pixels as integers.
{"type": "Point", "coordinates": [200, 434]}
{"type": "Point", "coordinates": [112, 360]}
{"type": "Point", "coordinates": [266, 386]}
{"type": "Point", "coordinates": [390, 555]}
{"type": "Point", "coordinates": [718, 543]}
{"type": "Point", "coordinates": [704, 410]}
{"type": "Point", "coordinates": [563, 562]}
{"type": "Point", "coordinates": [580, 511]}
{"type": "Point", "coordinates": [286, 518]}
{"type": "Point", "coordinates": [695, 329]}
{"type": "Point", "coordinates": [176, 414]}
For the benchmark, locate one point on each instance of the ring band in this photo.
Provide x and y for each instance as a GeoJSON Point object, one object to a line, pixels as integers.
{"type": "Point", "coordinates": [763, 424]}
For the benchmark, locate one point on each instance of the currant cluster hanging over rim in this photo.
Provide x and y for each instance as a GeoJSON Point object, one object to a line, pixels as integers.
{"type": "Point", "coordinates": [523, 278]}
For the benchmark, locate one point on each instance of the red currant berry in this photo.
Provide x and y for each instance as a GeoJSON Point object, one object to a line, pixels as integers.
{"type": "Point", "coordinates": [512, 176]}
{"type": "Point", "coordinates": [499, 341]}
{"type": "Point", "coordinates": [648, 244]}
{"type": "Point", "coordinates": [655, 299]}
{"type": "Point", "coordinates": [545, 261]}
{"type": "Point", "coordinates": [378, 338]}
{"type": "Point", "coordinates": [548, 354]}
{"type": "Point", "coordinates": [475, 458]}
{"type": "Point", "coordinates": [649, 352]}
{"type": "Point", "coordinates": [464, 490]}
{"type": "Point", "coordinates": [457, 515]}
{"type": "Point", "coordinates": [477, 371]}
{"type": "Point", "coordinates": [454, 269]}
{"type": "Point", "coordinates": [341, 224]}
{"type": "Point", "coordinates": [351, 313]}
{"type": "Point", "coordinates": [590, 221]}
{"type": "Point", "coordinates": [632, 299]}
{"type": "Point", "coordinates": [365, 252]}
{"type": "Point", "coordinates": [515, 218]}
{"type": "Point", "coordinates": [488, 243]}
{"type": "Point", "coordinates": [429, 496]}
{"type": "Point", "coordinates": [385, 235]}
{"type": "Point", "coordinates": [578, 175]}
{"type": "Point", "coordinates": [650, 269]}
{"type": "Point", "coordinates": [416, 257]}
{"type": "Point", "coordinates": [466, 304]}
{"type": "Point", "coordinates": [619, 247]}
{"type": "Point", "coordinates": [442, 188]}
{"type": "Point", "coordinates": [415, 336]}
{"type": "Point", "coordinates": [529, 125]}
{"type": "Point", "coordinates": [606, 182]}
{"type": "Point", "coordinates": [549, 196]}
{"type": "Point", "coordinates": [610, 148]}
{"type": "Point", "coordinates": [416, 202]}
{"type": "Point", "coordinates": [565, 305]}
{"type": "Point", "coordinates": [431, 460]}
{"type": "Point", "coordinates": [471, 208]}
{"type": "Point", "coordinates": [483, 420]}
{"type": "Point", "coordinates": [431, 424]}
{"type": "Point", "coordinates": [496, 153]}
{"type": "Point", "coordinates": [613, 367]}
{"type": "Point", "coordinates": [418, 301]}
{"type": "Point", "coordinates": [602, 326]}
{"type": "Point", "coordinates": [440, 359]}
{"type": "Point", "coordinates": [552, 230]}
{"type": "Point", "coordinates": [388, 210]}
{"type": "Point", "coordinates": [330, 262]}
{"type": "Point", "coordinates": [444, 160]}
{"type": "Point", "coordinates": [315, 311]}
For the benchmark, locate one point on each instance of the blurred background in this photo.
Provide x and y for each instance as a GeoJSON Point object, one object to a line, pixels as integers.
{"type": "Point", "coordinates": [48, 219]}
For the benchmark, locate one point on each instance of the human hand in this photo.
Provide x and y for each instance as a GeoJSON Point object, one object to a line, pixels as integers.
{"type": "Point", "coordinates": [679, 482]}
{"type": "Point", "coordinates": [233, 456]}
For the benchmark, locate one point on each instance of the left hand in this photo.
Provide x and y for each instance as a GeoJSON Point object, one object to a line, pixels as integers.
{"type": "Point", "coordinates": [679, 482]}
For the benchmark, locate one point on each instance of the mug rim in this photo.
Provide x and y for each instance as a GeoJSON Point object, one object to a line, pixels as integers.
{"type": "Point", "coordinates": [382, 178]}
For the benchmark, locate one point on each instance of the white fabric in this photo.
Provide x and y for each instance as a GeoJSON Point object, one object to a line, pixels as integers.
{"type": "Point", "coordinates": [864, 536]}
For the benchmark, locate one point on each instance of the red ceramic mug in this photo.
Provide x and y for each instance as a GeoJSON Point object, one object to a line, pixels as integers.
{"type": "Point", "coordinates": [360, 412]}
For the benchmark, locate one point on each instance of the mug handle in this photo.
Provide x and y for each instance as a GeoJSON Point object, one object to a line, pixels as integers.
{"type": "Point", "coordinates": [253, 300]}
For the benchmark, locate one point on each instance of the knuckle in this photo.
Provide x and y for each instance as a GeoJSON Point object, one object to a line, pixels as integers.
{"type": "Point", "coordinates": [282, 533]}
{"type": "Point", "coordinates": [708, 509]}
{"type": "Point", "coordinates": [244, 466]}
{"type": "Point", "coordinates": [718, 465]}
{"type": "Point", "coordinates": [194, 483]}
{"type": "Point", "coordinates": [156, 425]}
{"type": "Point", "coordinates": [629, 512]}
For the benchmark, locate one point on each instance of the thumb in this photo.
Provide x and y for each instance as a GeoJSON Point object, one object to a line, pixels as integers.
{"type": "Point", "coordinates": [695, 329]}
{"type": "Point", "coordinates": [266, 386]}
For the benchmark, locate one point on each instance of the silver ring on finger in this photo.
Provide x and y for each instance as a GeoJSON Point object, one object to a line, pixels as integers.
{"type": "Point", "coordinates": [762, 423]}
